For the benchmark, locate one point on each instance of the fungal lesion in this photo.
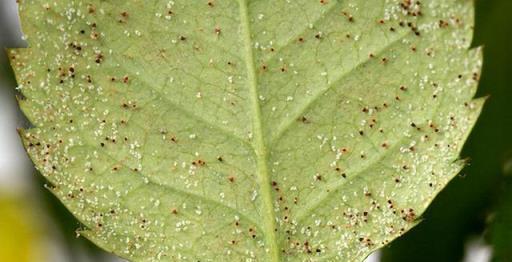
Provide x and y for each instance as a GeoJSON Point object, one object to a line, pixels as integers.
{"type": "Point", "coordinates": [199, 163]}
{"type": "Point", "coordinates": [304, 120]}
{"type": "Point", "coordinates": [123, 17]}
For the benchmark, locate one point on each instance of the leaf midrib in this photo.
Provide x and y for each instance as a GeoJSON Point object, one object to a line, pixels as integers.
{"type": "Point", "coordinates": [259, 146]}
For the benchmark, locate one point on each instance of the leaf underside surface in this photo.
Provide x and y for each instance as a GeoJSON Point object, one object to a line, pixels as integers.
{"type": "Point", "coordinates": [247, 130]}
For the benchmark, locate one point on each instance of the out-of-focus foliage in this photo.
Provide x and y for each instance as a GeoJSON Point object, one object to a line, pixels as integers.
{"type": "Point", "coordinates": [462, 210]}
{"type": "Point", "coordinates": [500, 234]}
{"type": "Point", "coordinates": [20, 234]}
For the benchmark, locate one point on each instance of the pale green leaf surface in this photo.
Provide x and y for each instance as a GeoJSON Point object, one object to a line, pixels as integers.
{"type": "Point", "coordinates": [247, 130]}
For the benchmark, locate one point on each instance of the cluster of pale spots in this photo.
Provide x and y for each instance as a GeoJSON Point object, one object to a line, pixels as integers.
{"type": "Point", "coordinates": [251, 130]}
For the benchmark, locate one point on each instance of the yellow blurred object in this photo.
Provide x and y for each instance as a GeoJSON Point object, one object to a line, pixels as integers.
{"type": "Point", "coordinates": [20, 234]}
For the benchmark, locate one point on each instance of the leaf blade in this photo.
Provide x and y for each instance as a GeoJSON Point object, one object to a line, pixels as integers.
{"type": "Point", "coordinates": [244, 160]}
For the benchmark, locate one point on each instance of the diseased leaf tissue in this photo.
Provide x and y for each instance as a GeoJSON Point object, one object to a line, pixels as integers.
{"type": "Point", "coordinates": [247, 130]}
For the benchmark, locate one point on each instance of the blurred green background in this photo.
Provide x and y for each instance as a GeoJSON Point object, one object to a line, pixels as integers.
{"type": "Point", "coordinates": [471, 220]}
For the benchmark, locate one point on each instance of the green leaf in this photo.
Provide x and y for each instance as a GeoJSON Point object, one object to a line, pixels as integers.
{"type": "Point", "coordinates": [247, 130]}
{"type": "Point", "coordinates": [465, 204]}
